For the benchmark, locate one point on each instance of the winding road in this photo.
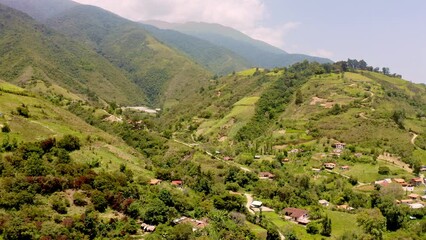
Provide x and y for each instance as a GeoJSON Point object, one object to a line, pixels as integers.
{"type": "Point", "coordinates": [414, 138]}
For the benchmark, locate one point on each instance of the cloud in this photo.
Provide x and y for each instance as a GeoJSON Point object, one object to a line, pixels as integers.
{"type": "Point", "coordinates": [322, 53]}
{"type": "Point", "coordinates": [243, 15]}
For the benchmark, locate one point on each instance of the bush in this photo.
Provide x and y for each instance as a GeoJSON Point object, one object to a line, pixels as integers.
{"type": "Point", "coordinates": [79, 199]}
{"type": "Point", "coordinates": [69, 143]}
{"type": "Point", "coordinates": [99, 201]}
{"type": "Point", "coordinates": [5, 128]}
{"type": "Point", "coordinates": [384, 170]}
{"type": "Point", "coordinates": [312, 228]}
{"type": "Point", "coordinates": [59, 204]}
{"type": "Point", "coordinates": [23, 111]}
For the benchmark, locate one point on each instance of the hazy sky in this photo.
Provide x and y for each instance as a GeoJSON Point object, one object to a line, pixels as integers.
{"type": "Point", "coordinates": [389, 33]}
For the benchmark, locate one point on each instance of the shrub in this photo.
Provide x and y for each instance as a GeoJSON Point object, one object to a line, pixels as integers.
{"type": "Point", "coordinates": [23, 111]}
{"type": "Point", "coordinates": [69, 143]}
{"type": "Point", "coordinates": [99, 201]}
{"type": "Point", "coordinates": [383, 170]}
{"type": "Point", "coordinates": [5, 128]}
{"type": "Point", "coordinates": [312, 228]}
{"type": "Point", "coordinates": [79, 199]}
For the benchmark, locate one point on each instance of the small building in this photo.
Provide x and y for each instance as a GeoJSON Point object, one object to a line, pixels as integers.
{"type": "Point", "coordinates": [266, 175]}
{"type": "Point", "coordinates": [400, 181]}
{"type": "Point", "coordinates": [406, 201]}
{"type": "Point", "coordinates": [423, 169]}
{"type": "Point", "coordinates": [423, 198]}
{"type": "Point", "coordinates": [147, 228]}
{"type": "Point", "coordinates": [285, 160]}
{"type": "Point", "coordinates": [256, 156]}
{"type": "Point", "coordinates": [177, 183]}
{"type": "Point", "coordinates": [344, 168]}
{"type": "Point", "coordinates": [414, 196]}
{"type": "Point", "coordinates": [196, 224]}
{"type": "Point", "coordinates": [416, 205]}
{"type": "Point", "coordinates": [298, 215]}
{"type": "Point", "coordinates": [345, 207]}
{"type": "Point", "coordinates": [256, 204]}
{"type": "Point", "coordinates": [416, 181]}
{"type": "Point", "coordinates": [329, 165]}
{"type": "Point", "coordinates": [408, 188]}
{"type": "Point", "coordinates": [154, 181]}
{"type": "Point", "coordinates": [316, 170]}
{"type": "Point", "coordinates": [324, 203]}
{"type": "Point", "coordinates": [383, 182]}
{"type": "Point", "coordinates": [339, 145]}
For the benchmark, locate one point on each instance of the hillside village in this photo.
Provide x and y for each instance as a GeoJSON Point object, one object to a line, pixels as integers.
{"type": "Point", "coordinates": [100, 140]}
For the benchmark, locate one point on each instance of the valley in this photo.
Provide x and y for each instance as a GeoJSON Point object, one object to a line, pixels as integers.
{"type": "Point", "coordinates": [113, 129]}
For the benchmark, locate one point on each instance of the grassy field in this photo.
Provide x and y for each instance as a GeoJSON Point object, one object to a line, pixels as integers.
{"type": "Point", "coordinates": [249, 72]}
{"type": "Point", "coordinates": [229, 125]}
{"type": "Point", "coordinates": [257, 230]}
{"type": "Point", "coordinates": [47, 120]}
{"type": "Point", "coordinates": [368, 173]}
{"type": "Point", "coordinates": [342, 222]}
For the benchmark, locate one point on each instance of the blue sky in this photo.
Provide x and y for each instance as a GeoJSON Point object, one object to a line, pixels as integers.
{"type": "Point", "coordinates": [385, 33]}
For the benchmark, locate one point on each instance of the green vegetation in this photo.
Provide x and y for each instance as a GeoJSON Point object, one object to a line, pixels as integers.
{"type": "Point", "coordinates": [76, 165]}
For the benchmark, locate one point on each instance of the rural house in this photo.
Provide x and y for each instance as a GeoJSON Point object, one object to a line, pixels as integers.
{"type": "Point", "coordinates": [416, 181]}
{"type": "Point", "coordinates": [298, 215]}
{"type": "Point", "coordinates": [154, 181]}
{"type": "Point", "coordinates": [329, 165]}
{"type": "Point", "coordinates": [266, 175]}
{"type": "Point", "coordinates": [324, 203]}
{"type": "Point", "coordinates": [177, 183]}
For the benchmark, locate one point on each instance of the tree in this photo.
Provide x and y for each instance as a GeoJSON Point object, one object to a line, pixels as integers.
{"type": "Point", "coordinates": [5, 128]}
{"type": "Point", "coordinates": [299, 97]}
{"type": "Point", "coordinates": [372, 222]}
{"type": "Point", "coordinates": [69, 143]}
{"type": "Point", "coordinates": [326, 227]}
{"type": "Point", "coordinates": [23, 111]}
{"type": "Point", "coordinates": [385, 70]}
{"type": "Point", "coordinates": [312, 228]}
{"type": "Point", "coordinates": [272, 233]}
{"type": "Point", "coordinates": [384, 170]}
{"type": "Point", "coordinates": [99, 201]}
{"type": "Point", "coordinates": [398, 117]}
{"type": "Point", "coordinates": [181, 232]}
{"type": "Point", "coordinates": [395, 215]}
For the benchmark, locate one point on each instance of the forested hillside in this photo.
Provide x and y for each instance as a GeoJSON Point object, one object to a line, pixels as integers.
{"type": "Point", "coordinates": [32, 52]}
{"type": "Point", "coordinates": [306, 151]}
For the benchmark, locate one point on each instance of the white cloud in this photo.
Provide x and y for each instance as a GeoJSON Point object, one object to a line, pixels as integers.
{"type": "Point", "coordinates": [244, 15]}
{"type": "Point", "coordinates": [322, 53]}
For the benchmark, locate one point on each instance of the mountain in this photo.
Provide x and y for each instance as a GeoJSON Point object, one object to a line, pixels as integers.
{"type": "Point", "coordinates": [40, 9]}
{"type": "Point", "coordinates": [256, 52]}
{"type": "Point", "coordinates": [162, 73]}
{"type": "Point", "coordinates": [217, 59]}
{"type": "Point", "coordinates": [31, 51]}
{"type": "Point", "coordinates": [363, 108]}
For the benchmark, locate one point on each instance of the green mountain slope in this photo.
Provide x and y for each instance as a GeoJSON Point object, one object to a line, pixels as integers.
{"type": "Point", "coordinates": [367, 109]}
{"type": "Point", "coordinates": [32, 52]}
{"type": "Point", "coordinates": [160, 71]}
{"type": "Point", "coordinates": [217, 59]}
{"type": "Point", "coordinates": [46, 120]}
{"type": "Point", "coordinates": [256, 52]}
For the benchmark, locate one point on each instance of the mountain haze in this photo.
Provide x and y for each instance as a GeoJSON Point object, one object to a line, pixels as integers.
{"type": "Point", "coordinates": [161, 72]}
{"type": "Point", "coordinates": [257, 53]}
